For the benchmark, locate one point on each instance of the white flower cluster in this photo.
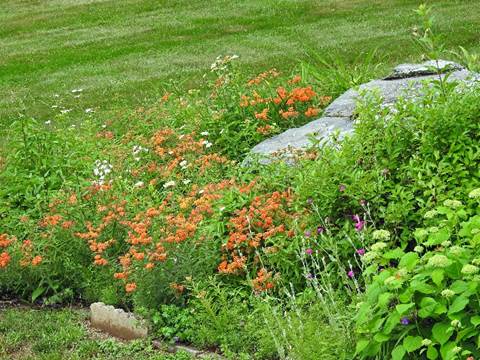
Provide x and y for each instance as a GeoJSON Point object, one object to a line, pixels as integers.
{"type": "Point", "coordinates": [207, 143]}
{"type": "Point", "coordinates": [101, 170]}
{"type": "Point", "coordinates": [137, 150]}
{"type": "Point", "coordinates": [221, 62]}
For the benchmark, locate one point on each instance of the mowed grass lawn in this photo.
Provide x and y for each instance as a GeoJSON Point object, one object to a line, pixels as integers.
{"type": "Point", "coordinates": [122, 52]}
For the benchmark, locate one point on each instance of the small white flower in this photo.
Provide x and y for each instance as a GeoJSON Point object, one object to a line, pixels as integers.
{"type": "Point", "coordinates": [89, 110]}
{"type": "Point", "coordinates": [48, 122]}
{"type": "Point", "coordinates": [170, 152]}
{"type": "Point", "coordinates": [181, 136]}
{"type": "Point", "coordinates": [187, 181]}
{"type": "Point", "coordinates": [77, 90]}
{"type": "Point", "coordinates": [207, 143]}
{"type": "Point", "coordinates": [222, 208]}
{"type": "Point", "coordinates": [139, 184]}
{"type": "Point", "coordinates": [54, 106]}
{"type": "Point", "coordinates": [201, 191]}
{"type": "Point", "coordinates": [169, 184]}
{"type": "Point", "coordinates": [64, 111]}
{"type": "Point", "coordinates": [204, 133]}
{"type": "Point", "coordinates": [104, 126]}
{"type": "Point", "coordinates": [183, 163]}
{"type": "Point", "coordinates": [56, 95]}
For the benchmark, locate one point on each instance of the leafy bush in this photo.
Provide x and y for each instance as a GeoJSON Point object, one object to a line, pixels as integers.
{"type": "Point", "coordinates": [424, 300]}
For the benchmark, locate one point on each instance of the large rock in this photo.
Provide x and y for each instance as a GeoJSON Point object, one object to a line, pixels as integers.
{"type": "Point", "coordinates": [117, 322]}
{"type": "Point", "coordinates": [338, 117]}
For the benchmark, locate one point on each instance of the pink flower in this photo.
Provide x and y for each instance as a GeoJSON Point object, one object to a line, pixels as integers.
{"type": "Point", "coordinates": [342, 188]}
{"type": "Point", "coordinates": [360, 252]}
{"type": "Point", "coordinates": [351, 274]}
{"type": "Point", "coordinates": [359, 224]}
{"type": "Point", "coordinates": [309, 251]}
{"type": "Point", "coordinates": [320, 230]}
{"type": "Point", "coordinates": [307, 233]}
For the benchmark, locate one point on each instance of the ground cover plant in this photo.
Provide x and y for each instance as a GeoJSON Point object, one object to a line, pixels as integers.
{"type": "Point", "coordinates": [152, 210]}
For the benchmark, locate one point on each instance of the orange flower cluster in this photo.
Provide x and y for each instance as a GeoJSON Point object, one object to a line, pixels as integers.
{"type": "Point", "coordinates": [27, 256]}
{"type": "Point", "coordinates": [4, 259]}
{"type": "Point", "coordinates": [287, 103]}
{"type": "Point", "coordinates": [264, 130]}
{"type": "Point", "coordinates": [263, 281]}
{"type": "Point", "coordinates": [50, 220]}
{"type": "Point", "coordinates": [252, 227]}
{"type": "Point", "coordinates": [272, 73]}
{"type": "Point", "coordinates": [5, 241]}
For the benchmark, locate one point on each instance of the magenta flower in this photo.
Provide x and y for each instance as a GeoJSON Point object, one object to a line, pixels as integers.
{"type": "Point", "coordinates": [359, 223]}
{"type": "Point", "coordinates": [351, 274]}
{"type": "Point", "coordinates": [309, 251]}
{"type": "Point", "coordinates": [320, 230]}
{"type": "Point", "coordinates": [361, 251]}
{"type": "Point", "coordinates": [307, 233]}
{"type": "Point", "coordinates": [342, 188]}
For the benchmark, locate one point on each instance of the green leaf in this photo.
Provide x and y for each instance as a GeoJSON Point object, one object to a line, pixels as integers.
{"type": "Point", "coordinates": [380, 337]}
{"type": "Point", "coordinates": [441, 332]}
{"type": "Point", "coordinates": [37, 292]}
{"type": "Point", "coordinates": [446, 351]}
{"type": "Point", "coordinates": [403, 308]}
{"type": "Point", "coordinates": [458, 304]}
{"type": "Point", "coordinates": [361, 345]}
{"type": "Point", "coordinates": [412, 343]}
{"type": "Point", "coordinates": [437, 238]}
{"type": "Point", "coordinates": [408, 261]}
{"type": "Point", "coordinates": [392, 321]}
{"type": "Point", "coordinates": [394, 254]}
{"type": "Point", "coordinates": [459, 286]}
{"type": "Point", "coordinates": [398, 353]}
{"type": "Point", "coordinates": [437, 276]}
{"type": "Point", "coordinates": [432, 353]}
{"type": "Point", "coordinates": [475, 320]}
{"type": "Point", "coordinates": [427, 307]}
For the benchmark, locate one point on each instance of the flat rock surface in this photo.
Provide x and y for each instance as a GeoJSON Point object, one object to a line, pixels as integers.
{"type": "Point", "coordinates": [405, 80]}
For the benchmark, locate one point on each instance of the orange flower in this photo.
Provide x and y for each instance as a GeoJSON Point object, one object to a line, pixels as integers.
{"type": "Point", "coordinates": [67, 224]}
{"type": "Point", "coordinates": [311, 112]}
{"type": "Point", "coordinates": [130, 287]}
{"type": "Point", "coordinates": [296, 79]}
{"type": "Point", "coordinates": [262, 115]}
{"type": "Point", "coordinates": [36, 260]}
{"type": "Point", "coordinates": [149, 266]}
{"type": "Point", "coordinates": [4, 240]}
{"type": "Point", "coordinates": [121, 275]}
{"type": "Point", "coordinates": [4, 259]}
{"type": "Point", "coordinates": [264, 130]}
{"type": "Point", "coordinates": [289, 113]}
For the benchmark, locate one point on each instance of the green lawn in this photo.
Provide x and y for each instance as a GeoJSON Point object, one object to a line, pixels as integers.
{"type": "Point", "coordinates": [121, 52]}
{"type": "Point", "coordinates": [65, 334]}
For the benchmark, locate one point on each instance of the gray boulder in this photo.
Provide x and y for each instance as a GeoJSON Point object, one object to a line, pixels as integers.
{"type": "Point", "coordinates": [405, 80]}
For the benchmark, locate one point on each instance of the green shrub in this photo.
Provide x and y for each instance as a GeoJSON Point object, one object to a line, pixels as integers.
{"type": "Point", "coordinates": [422, 299]}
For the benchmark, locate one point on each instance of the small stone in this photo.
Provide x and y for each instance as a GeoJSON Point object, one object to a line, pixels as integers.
{"type": "Point", "coordinates": [117, 322]}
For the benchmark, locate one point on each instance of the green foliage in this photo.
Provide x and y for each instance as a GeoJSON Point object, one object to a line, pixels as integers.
{"type": "Point", "coordinates": [426, 303]}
